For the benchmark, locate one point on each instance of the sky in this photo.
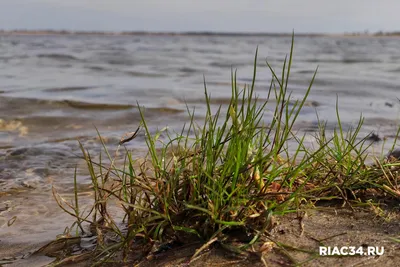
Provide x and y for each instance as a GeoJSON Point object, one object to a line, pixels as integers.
{"type": "Point", "coordinates": [325, 16]}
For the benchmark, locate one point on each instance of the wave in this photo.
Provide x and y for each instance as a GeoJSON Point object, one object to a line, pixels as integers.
{"type": "Point", "coordinates": [144, 74]}
{"type": "Point", "coordinates": [26, 104]}
{"type": "Point", "coordinates": [305, 71]}
{"type": "Point", "coordinates": [227, 101]}
{"type": "Point", "coordinates": [7, 58]}
{"type": "Point", "coordinates": [102, 106]}
{"type": "Point", "coordinates": [96, 68]}
{"type": "Point", "coordinates": [344, 60]}
{"type": "Point", "coordinates": [57, 56]}
{"type": "Point", "coordinates": [165, 110]}
{"type": "Point", "coordinates": [227, 65]}
{"type": "Point", "coordinates": [395, 70]}
{"type": "Point", "coordinates": [30, 105]}
{"type": "Point", "coordinates": [365, 60]}
{"type": "Point", "coordinates": [123, 62]}
{"type": "Point", "coordinates": [129, 73]}
{"type": "Point", "coordinates": [207, 51]}
{"type": "Point", "coordinates": [113, 58]}
{"type": "Point", "coordinates": [187, 70]}
{"type": "Point", "coordinates": [68, 89]}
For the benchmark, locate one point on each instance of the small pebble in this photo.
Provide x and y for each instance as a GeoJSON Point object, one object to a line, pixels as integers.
{"type": "Point", "coordinates": [394, 154]}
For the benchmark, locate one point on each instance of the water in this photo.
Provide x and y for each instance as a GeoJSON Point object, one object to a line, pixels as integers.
{"type": "Point", "coordinates": [55, 89]}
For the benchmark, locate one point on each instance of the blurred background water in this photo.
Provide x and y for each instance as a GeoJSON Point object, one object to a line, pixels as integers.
{"type": "Point", "coordinates": [56, 89]}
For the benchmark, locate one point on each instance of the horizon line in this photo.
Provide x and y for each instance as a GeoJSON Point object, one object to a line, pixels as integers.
{"type": "Point", "coordinates": [204, 32]}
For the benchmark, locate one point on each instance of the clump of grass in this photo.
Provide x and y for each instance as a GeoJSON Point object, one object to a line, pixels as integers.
{"type": "Point", "coordinates": [232, 172]}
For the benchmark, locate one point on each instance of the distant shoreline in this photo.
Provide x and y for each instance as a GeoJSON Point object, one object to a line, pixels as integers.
{"type": "Point", "coordinates": [190, 33]}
